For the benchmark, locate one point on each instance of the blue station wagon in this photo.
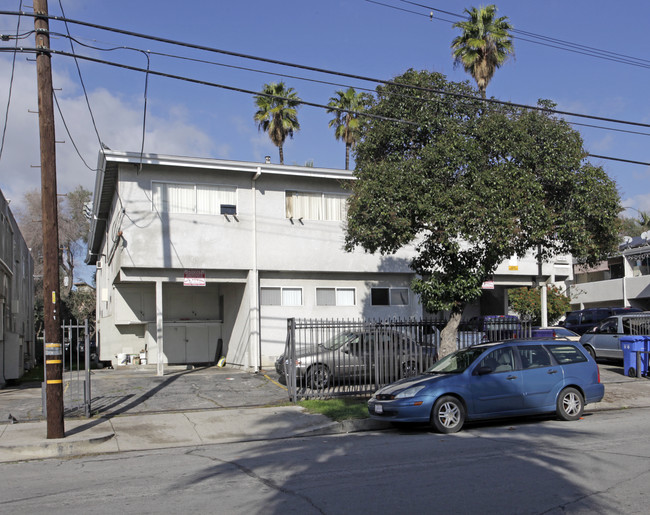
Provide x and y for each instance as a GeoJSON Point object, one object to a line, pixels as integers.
{"type": "Point", "coordinates": [494, 380]}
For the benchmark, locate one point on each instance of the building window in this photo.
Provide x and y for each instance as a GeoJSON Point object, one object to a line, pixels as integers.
{"type": "Point", "coordinates": [316, 206]}
{"type": "Point", "coordinates": [276, 296]}
{"type": "Point", "coordinates": [335, 297]}
{"type": "Point", "coordinates": [389, 296]}
{"type": "Point", "coordinates": [202, 199]}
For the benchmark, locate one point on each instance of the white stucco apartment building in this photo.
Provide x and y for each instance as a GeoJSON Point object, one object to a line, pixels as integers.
{"type": "Point", "coordinates": [623, 280]}
{"type": "Point", "coordinates": [17, 342]}
{"type": "Point", "coordinates": [198, 258]}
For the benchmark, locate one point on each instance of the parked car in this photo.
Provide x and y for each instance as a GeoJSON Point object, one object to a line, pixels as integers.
{"type": "Point", "coordinates": [555, 332]}
{"type": "Point", "coordinates": [517, 377]}
{"type": "Point", "coordinates": [359, 355]}
{"type": "Point", "coordinates": [604, 340]}
{"type": "Point", "coordinates": [584, 319]}
{"type": "Point", "coordinates": [488, 328]}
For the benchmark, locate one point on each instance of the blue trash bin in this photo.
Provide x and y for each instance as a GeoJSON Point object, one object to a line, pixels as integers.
{"type": "Point", "coordinates": [630, 345]}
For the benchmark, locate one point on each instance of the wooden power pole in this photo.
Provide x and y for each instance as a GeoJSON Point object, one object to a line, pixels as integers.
{"type": "Point", "coordinates": [53, 346]}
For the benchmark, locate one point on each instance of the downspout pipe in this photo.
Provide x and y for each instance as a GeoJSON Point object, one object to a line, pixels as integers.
{"type": "Point", "coordinates": [256, 278]}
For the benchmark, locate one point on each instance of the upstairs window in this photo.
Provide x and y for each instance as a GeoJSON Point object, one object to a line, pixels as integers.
{"type": "Point", "coordinates": [202, 199]}
{"type": "Point", "coordinates": [277, 296]}
{"type": "Point", "coordinates": [316, 206]}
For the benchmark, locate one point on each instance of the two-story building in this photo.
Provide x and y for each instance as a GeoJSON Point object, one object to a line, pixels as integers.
{"type": "Point", "coordinates": [199, 258]}
{"type": "Point", "coordinates": [623, 280]}
{"type": "Point", "coordinates": [17, 342]}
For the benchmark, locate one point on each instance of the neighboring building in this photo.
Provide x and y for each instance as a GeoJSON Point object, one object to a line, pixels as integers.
{"type": "Point", "coordinates": [17, 345]}
{"type": "Point", "coordinates": [621, 281]}
{"type": "Point", "coordinates": [198, 258]}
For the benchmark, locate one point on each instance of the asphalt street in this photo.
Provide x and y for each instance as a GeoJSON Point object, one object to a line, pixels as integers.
{"type": "Point", "coordinates": [599, 464]}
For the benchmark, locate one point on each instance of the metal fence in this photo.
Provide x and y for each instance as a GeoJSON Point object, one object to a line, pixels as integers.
{"type": "Point", "coordinates": [78, 354]}
{"type": "Point", "coordinates": [327, 358]}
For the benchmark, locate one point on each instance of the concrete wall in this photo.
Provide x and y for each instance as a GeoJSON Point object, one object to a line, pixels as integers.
{"type": "Point", "coordinates": [17, 343]}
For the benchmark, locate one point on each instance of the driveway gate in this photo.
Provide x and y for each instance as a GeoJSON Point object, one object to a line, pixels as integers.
{"type": "Point", "coordinates": [77, 356]}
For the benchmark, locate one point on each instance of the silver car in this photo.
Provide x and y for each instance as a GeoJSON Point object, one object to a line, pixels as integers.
{"type": "Point", "coordinates": [358, 356]}
{"type": "Point", "coordinates": [603, 341]}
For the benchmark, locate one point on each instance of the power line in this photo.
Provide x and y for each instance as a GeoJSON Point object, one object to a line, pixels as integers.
{"type": "Point", "coordinates": [296, 77]}
{"type": "Point", "coordinates": [83, 85]}
{"type": "Point", "coordinates": [251, 92]}
{"type": "Point", "coordinates": [11, 85]}
{"type": "Point", "coordinates": [329, 72]}
{"type": "Point", "coordinates": [319, 70]}
{"type": "Point", "coordinates": [560, 44]}
{"type": "Point", "coordinates": [620, 160]}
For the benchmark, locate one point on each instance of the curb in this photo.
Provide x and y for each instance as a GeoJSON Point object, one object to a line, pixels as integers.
{"type": "Point", "coordinates": [56, 448]}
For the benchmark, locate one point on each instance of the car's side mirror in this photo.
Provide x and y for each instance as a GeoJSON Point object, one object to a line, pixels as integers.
{"type": "Point", "coordinates": [481, 371]}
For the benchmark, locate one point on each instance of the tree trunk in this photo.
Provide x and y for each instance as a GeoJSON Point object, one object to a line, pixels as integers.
{"type": "Point", "coordinates": [347, 156]}
{"type": "Point", "coordinates": [281, 155]}
{"type": "Point", "coordinates": [448, 336]}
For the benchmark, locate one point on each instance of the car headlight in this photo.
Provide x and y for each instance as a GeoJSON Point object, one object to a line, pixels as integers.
{"type": "Point", "coordinates": [410, 392]}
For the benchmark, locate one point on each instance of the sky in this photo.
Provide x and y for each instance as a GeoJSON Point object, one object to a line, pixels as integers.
{"type": "Point", "coordinates": [371, 39]}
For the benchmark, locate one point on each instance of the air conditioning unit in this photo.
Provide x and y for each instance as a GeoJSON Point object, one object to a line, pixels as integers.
{"type": "Point", "coordinates": [99, 265]}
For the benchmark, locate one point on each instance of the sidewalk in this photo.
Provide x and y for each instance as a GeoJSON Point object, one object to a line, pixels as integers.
{"type": "Point", "coordinates": [239, 408]}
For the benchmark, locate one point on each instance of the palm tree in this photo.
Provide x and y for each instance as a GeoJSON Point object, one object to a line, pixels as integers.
{"type": "Point", "coordinates": [346, 107]}
{"type": "Point", "coordinates": [277, 114]}
{"type": "Point", "coordinates": [484, 45]}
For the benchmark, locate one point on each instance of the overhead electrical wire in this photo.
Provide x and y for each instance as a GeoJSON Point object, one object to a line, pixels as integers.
{"type": "Point", "coordinates": [305, 67]}
{"type": "Point", "coordinates": [11, 84]}
{"type": "Point", "coordinates": [81, 80]}
{"type": "Point", "coordinates": [322, 70]}
{"type": "Point", "coordinates": [297, 77]}
{"type": "Point", "coordinates": [256, 93]}
{"type": "Point", "coordinates": [545, 40]}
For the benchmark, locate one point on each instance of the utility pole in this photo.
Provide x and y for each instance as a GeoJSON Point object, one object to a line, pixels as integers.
{"type": "Point", "coordinates": [53, 346]}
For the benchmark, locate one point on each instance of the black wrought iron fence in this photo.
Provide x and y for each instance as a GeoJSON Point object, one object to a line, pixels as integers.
{"type": "Point", "coordinates": [327, 358]}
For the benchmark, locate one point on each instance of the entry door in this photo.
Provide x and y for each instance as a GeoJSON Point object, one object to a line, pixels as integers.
{"type": "Point", "coordinates": [174, 344]}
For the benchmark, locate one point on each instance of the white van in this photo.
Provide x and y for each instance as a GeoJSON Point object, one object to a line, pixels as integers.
{"type": "Point", "coordinates": [603, 341]}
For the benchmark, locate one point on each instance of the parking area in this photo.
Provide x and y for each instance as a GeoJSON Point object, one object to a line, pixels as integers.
{"type": "Point", "coordinates": [137, 389]}
{"type": "Point", "coordinates": [134, 390]}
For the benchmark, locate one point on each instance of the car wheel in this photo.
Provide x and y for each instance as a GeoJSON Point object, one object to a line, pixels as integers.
{"type": "Point", "coordinates": [318, 377]}
{"type": "Point", "coordinates": [570, 404]}
{"type": "Point", "coordinates": [448, 414]}
{"type": "Point", "coordinates": [591, 351]}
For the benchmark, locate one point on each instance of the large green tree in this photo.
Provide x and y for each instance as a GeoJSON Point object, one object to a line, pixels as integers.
{"type": "Point", "coordinates": [527, 303]}
{"type": "Point", "coordinates": [277, 113]}
{"type": "Point", "coordinates": [346, 106]}
{"type": "Point", "coordinates": [470, 185]}
{"type": "Point", "coordinates": [484, 44]}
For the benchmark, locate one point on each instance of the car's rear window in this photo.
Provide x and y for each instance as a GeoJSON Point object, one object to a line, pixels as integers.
{"type": "Point", "coordinates": [572, 318]}
{"type": "Point", "coordinates": [564, 354]}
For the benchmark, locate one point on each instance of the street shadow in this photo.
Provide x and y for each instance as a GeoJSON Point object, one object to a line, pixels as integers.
{"type": "Point", "coordinates": [511, 467]}
{"type": "Point", "coordinates": [109, 411]}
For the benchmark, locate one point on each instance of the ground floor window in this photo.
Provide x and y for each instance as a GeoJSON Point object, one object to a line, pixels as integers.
{"type": "Point", "coordinates": [389, 296]}
{"type": "Point", "coordinates": [335, 297]}
{"type": "Point", "coordinates": [279, 296]}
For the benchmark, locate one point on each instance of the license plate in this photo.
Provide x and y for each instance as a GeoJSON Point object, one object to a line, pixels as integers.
{"type": "Point", "coordinates": [379, 408]}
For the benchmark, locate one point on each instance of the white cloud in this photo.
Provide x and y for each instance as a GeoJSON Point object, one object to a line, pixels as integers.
{"type": "Point", "coordinates": [119, 124]}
